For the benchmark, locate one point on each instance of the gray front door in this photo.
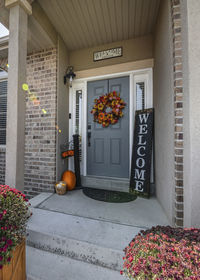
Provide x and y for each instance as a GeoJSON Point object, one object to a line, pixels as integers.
{"type": "Point", "coordinates": [108, 148]}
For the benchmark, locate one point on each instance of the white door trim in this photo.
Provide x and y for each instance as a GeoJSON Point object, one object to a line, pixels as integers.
{"type": "Point", "coordinates": [135, 76]}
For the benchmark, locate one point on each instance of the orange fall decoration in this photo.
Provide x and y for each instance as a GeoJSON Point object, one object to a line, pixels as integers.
{"type": "Point", "coordinates": [70, 179]}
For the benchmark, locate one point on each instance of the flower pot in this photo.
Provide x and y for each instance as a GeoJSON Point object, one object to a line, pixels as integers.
{"type": "Point", "coordinates": [16, 269]}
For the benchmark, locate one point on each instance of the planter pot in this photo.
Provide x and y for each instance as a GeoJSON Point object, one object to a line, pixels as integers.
{"type": "Point", "coordinates": [16, 270]}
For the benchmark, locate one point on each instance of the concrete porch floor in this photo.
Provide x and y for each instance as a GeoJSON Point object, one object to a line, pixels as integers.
{"type": "Point", "coordinates": [138, 213]}
{"type": "Point", "coordinates": [73, 232]}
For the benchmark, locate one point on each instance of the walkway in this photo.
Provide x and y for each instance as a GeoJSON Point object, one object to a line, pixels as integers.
{"type": "Point", "coordinates": [75, 234]}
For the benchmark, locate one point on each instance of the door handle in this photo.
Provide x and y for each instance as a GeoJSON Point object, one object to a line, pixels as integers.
{"type": "Point", "coordinates": [89, 133]}
{"type": "Point", "coordinates": [89, 137]}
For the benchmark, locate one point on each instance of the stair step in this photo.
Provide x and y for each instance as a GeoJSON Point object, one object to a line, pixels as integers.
{"type": "Point", "coordinates": [75, 249]}
{"type": "Point", "coordinates": [92, 241]}
{"type": "Point", "coordinates": [113, 184]}
{"type": "Point", "coordinates": [43, 265]}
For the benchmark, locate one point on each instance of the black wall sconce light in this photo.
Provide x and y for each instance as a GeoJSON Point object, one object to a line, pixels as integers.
{"type": "Point", "coordinates": [69, 75]}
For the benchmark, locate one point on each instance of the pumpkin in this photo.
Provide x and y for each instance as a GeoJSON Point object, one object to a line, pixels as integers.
{"type": "Point", "coordinates": [70, 179]}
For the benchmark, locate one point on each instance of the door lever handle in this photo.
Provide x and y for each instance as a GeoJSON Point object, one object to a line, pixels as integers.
{"type": "Point", "coordinates": [89, 137]}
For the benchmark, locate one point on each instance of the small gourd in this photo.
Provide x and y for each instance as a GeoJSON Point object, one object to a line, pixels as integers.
{"type": "Point", "coordinates": [61, 187]}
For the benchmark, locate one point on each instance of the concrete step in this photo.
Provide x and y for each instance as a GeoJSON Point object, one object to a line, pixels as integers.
{"type": "Point", "coordinates": [113, 184]}
{"type": "Point", "coordinates": [93, 241]}
{"type": "Point", "coordinates": [42, 265]}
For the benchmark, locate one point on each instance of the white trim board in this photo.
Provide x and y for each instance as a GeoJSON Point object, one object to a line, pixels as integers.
{"type": "Point", "coordinates": [135, 76]}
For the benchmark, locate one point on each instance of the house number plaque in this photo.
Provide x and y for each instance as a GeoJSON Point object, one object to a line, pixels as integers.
{"type": "Point", "coordinates": [142, 152]}
{"type": "Point", "coordinates": [110, 53]}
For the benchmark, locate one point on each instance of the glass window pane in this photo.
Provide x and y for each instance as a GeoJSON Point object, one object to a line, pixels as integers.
{"type": "Point", "coordinates": [78, 115]}
{"type": "Point", "coordinates": [140, 94]}
{"type": "Point", "coordinates": [3, 111]}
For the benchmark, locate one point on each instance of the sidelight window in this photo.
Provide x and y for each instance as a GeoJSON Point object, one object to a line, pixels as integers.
{"type": "Point", "coordinates": [78, 112]}
{"type": "Point", "coordinates": [3, 110]}
{"type": "Point", "coordinates": [140, 95]}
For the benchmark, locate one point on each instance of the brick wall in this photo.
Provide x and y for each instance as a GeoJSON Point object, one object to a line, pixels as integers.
{"type": "Point", "coordinates": [178, 110]}
{"type": "Point", "coordinates": [40, 127]}
{"type": "Point", "coordinates": [2, 165]}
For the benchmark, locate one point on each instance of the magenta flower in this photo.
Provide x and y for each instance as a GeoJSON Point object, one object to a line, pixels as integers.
{"type": "Point", "coordinates": [163, 253]}
{"type": "Point", "coordinates": [14, 214]}
{"type": "Point", "coordinates": [9, 242]}
{"type": "Point", "coordinates": [5, 248]}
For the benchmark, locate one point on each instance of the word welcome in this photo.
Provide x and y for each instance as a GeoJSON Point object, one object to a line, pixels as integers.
{"type": "Point", "coordinates": [141, 153]}
{"type": "Point", "coordinates": [142, 150]}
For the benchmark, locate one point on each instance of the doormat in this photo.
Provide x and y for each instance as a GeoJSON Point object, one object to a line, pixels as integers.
{"type": "Point", "coordinates": [109, 196]}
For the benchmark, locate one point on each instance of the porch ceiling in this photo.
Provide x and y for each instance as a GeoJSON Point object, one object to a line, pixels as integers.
{"type": "Point", "coordinates": [89, 23]}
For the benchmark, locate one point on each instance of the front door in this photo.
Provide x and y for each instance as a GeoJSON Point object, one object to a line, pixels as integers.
{"type": "Point", "coordinates": [108, 147]}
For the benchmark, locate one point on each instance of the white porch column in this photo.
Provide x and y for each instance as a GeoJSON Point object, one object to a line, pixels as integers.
{"type": "Point", "coordinates": [17, 53]}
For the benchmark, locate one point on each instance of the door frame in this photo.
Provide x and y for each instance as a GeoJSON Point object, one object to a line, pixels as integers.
{"type": "Point", "coordinates": [135, 76]}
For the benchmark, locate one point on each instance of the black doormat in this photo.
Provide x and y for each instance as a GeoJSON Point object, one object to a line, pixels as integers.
{"type": "Point", "coordinates": [108, 196]}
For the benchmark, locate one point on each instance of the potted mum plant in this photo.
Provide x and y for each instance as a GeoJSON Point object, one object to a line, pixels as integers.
{"type": "Point", "coordinates": [163, 253]}
{"type": "Point", "coordinates": [14, 213]}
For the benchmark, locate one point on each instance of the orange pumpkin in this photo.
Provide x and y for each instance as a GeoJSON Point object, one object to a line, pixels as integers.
{"type": "Point", "coordinates": [70, 179]}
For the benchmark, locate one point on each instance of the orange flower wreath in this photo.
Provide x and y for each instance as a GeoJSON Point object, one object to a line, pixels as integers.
{"type": "Point", "coordinates": [110, 100]}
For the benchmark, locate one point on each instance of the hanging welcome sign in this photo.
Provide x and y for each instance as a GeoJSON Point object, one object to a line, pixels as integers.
{"type": "Point", "coordinates": [142, 153]}
{"type": "Point", "coordinates": [111, 53]}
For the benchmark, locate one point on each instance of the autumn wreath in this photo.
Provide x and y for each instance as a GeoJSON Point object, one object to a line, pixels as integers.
{"type": "Point", "coordinates": [101, 112]}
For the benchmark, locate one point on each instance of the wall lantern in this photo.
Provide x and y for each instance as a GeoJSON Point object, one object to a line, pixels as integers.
{"type": "Point", "coordinates": [69, 75]}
